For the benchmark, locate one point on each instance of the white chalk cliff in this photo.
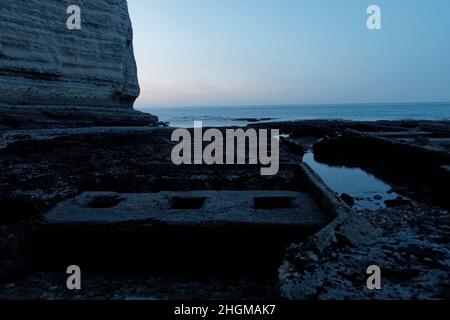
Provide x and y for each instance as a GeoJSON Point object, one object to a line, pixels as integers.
{"type": "Point", "coordinates": [49, 73]}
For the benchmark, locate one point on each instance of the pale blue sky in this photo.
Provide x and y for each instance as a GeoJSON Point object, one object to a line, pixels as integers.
{"type": "Point", "coordinates": [250, 52]}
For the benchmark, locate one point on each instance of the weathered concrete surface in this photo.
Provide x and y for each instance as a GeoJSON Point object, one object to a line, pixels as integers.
{"type": "Point", "coordinates": [162, 231]}
{"type": "Point", "coordinates": [219, 207]}
{"type": "Point", "coordinates": [55, 71]}
{"type": "Point", "coordinates": [334, 205]}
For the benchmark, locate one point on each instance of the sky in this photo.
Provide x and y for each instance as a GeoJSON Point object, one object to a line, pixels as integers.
{"type": "Point", "coordinates": [270, 52]}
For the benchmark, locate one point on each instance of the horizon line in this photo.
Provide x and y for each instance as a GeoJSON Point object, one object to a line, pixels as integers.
{"type": "Point", "coordinates": [293, 104]}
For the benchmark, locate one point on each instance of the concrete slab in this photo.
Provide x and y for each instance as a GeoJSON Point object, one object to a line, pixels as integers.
{"type": "Point", "coordinates": [197, 231]}
{"type": "Point", "coordinates": [194, 208]}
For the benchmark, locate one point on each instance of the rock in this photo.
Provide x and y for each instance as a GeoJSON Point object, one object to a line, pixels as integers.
{"type": "Point", "coordinates": [348, 199]}
{"type": "Point", "coordinates": [309, 266]}
{"type": "Point", "coordinates": [50, 117]}
{"type": "Point", "coordinates": [293, 146]}
{"type": "Point", "coordinates": [51, 73]}
{"type": "Point", "coordinates": [14, 258]}
{"type": "Point", "coordinates": [332, 264]}
{"type": "Point", "coordinates": [422, 141]}
{"type": "Point", "coordinates": [356, 231]}
{"type": "Point", "coordinates": [253, 119]}
{"type": "Point", "coordinates": [397, 202]}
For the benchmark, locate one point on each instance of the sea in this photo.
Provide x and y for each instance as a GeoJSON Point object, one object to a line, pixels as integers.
{"type": "Point", "coordinates": [215, 116]}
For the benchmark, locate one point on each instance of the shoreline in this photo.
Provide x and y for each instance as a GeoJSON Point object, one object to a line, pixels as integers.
{"type": "Point", "coordinates": [223, 116]}
{"type": "Point", "coordinates": [249, 122]}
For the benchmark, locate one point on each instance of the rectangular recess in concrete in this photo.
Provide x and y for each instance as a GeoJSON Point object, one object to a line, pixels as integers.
{"type": "Point", "coordinates": [273, 202]}
{"type": "Point", "coordinates": [179, 203]}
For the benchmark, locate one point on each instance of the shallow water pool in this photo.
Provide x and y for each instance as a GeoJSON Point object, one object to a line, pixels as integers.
{"type": "Point", "coordinates": [368, 191]}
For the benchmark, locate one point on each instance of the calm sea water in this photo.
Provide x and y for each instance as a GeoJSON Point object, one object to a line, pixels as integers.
{"type": "Point", "coordinates": [224, 116]}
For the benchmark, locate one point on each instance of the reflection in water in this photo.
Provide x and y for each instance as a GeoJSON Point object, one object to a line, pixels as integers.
{"type": "Point", "coordinates": [368, 191]}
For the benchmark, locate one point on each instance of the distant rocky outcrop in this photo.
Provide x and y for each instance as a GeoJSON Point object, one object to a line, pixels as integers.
{"type": "Point", "coordinates": [49, 73]}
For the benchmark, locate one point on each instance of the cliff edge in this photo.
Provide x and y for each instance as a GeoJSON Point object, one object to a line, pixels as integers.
{"type": "Point", "coordinates": [53, 76]}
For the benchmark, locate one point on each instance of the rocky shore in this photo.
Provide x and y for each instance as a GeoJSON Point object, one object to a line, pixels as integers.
{"type": "Point", "coordinates": [41, 168]}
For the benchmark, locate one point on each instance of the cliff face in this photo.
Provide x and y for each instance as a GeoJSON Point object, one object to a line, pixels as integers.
{"type": "Point", "coordinates": [47, 69]}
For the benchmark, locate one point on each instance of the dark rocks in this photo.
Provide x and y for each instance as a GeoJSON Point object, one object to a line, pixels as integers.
{"type": "Point", "coordinates": [293, 146]}
{"type": "Point", "coordinates": [308, 267]}
{"type": "Point", "coordinates": [48, 117]}
{"type": "Point", "coordinates": [348, 199]}
{"type": "Point", "coordinates": [410, 244]}
{"type": "Point", "coordinates": [137, 287]}
{"type": "Point", "coordinates": [397, 202]}
{"type": "Point", "coordinates": [355, 231]}
{"type": "Point", "coordinates": [422, 141]}
{"type": "Point", "coordinates": [15, 258]}
{"type": "Point", "coordinates": [253, 120]}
